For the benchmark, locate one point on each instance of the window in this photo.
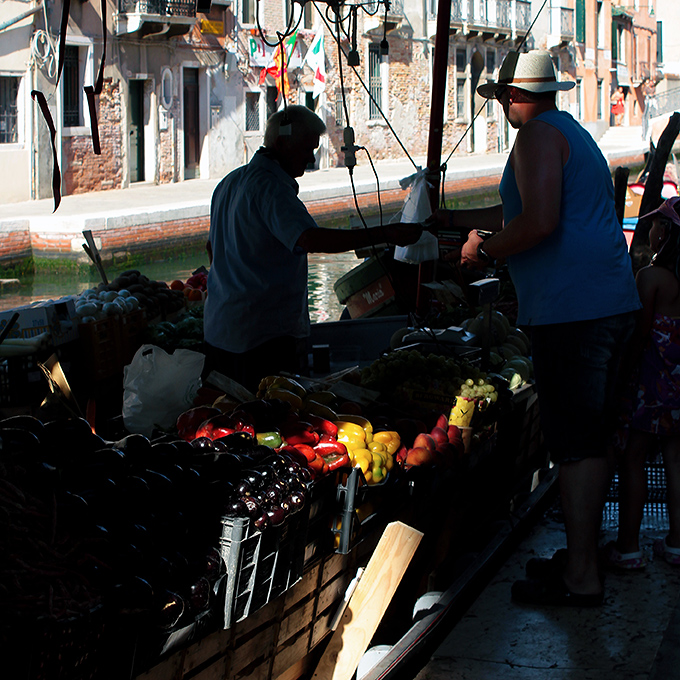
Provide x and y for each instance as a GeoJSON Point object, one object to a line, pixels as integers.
{"type": "Point", "coordinates": [339, 110]}
{"type": "Point", "coordinates": [253, 111]}
{"type": "Point", "coordinates": [374, 82]}
{"type": "Point", "coordinates": [659, 42]}
{"type": "Point", "coordinates": [490, 102]}
{"type": "Point", "coordinates": [461, 63]}
{"type": "Point", "coordinates": [308, 19]}
{"type": "Point", "coordinates": [600, 26]}
{"type": "Point", "coordinates": [9, 90]}
{"type": "Point", "coordinates": [490, 62]}
{"type": "Point", "coordinates": [166, 88]}
{"type": "Point", "coordinates": [600, 103]}
{"type": "Point", "coordinates": [579, 98]}
{"type": "Point", "coordinates": [248, 9]}
{"type": "Point", "coordinates": [72, 96]}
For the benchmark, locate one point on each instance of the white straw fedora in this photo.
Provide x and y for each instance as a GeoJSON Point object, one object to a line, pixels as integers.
{"type": "Point", "coordinates": [532, 71]}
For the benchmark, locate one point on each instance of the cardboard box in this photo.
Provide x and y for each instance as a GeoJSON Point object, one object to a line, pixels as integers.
{"type": "Point", "coordinates": [48, 316]}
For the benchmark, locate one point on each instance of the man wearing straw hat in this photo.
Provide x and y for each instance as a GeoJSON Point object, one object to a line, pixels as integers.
{"type": "Point", "coordinates": [566, 254]}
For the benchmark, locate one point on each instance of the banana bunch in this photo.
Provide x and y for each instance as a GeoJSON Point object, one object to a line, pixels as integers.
{"type": "Point", "coordinates": [281, 387]}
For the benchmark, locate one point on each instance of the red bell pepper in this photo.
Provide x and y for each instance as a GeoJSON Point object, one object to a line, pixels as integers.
{"type": "Point", "coordinates": [307, 451]}
{"type": "Point", "coordinates": [322, 426]}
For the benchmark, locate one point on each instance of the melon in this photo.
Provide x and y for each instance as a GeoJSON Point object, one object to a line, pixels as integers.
{"type": "Point", "coordinates": [516, 342]}
{"type": "Point", "coordinates": [478, 326]}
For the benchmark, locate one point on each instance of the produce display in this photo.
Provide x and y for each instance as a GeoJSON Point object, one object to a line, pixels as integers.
{"type": "Point", "coordinates": [184, 333]}
{"type": "Point", "coordinates": [194, 288]}
{"type": "Point", "coordinates": [128, 292]}
{"type": "Point", "coordinates": [130, 524]}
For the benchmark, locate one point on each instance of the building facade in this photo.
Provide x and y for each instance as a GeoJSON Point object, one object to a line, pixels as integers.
{"type": "Point", "coordinates": [188, 85]}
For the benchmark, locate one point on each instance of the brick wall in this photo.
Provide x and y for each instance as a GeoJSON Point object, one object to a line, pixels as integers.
{"type": "Point", "coordinates": [82, 170]}
{"type": "Point", "coordinates": [167, 140]}
{"type": "Point", "coordinates": [15, 243]}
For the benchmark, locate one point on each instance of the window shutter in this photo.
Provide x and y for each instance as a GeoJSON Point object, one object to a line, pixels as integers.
{"type": "Point", "coordinates": [580, 21]}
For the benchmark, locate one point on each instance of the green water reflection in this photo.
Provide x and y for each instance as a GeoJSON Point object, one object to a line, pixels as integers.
{"type": "Point", "coordinates": [324, 271]}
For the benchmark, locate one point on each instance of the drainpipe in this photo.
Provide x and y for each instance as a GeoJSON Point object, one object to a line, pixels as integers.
{"type": "Point", "coordinates": [17, 19]}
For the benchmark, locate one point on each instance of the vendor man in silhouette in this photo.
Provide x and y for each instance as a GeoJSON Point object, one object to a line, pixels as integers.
{"type": "Point", "coordinates": [256, 320]}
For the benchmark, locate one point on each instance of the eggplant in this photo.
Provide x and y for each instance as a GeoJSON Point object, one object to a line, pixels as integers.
{"type": "Point", "coordinates": [268, 474]}
{"type": "Point", "coordinates": [169, 609]}
{"type": "Point", "coordinates": [203, 444]}
{"type": "Point", "coordinates": [136, 447]}
{"type": "Point", "coordinates": [199, 596]}
{"type": "Point", "coordinates": [262, 523]}
{"type": "Point", "coordinates": [16, 442]}
{"type": "Point", "coordinates": [239, 442]}
{"type": "Point", "coordinates": [24, 422]}
{"type": "Point", "coordinates": [256, 478]}
{"type": "Point", "coordinates": [277, 515]}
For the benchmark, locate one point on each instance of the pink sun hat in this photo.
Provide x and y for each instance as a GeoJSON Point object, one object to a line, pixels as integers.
{"type": "Point", "coordinates": [666, 209]}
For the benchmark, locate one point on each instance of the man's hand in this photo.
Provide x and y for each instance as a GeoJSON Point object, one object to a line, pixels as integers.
{"type": "Point", "coordinates": [402, 234]}
{"type": "Point", "coordinates": [468, 254]}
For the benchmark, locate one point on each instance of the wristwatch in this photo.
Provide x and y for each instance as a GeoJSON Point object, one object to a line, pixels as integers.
{"type": "Point", "coordinates": [483, 255]}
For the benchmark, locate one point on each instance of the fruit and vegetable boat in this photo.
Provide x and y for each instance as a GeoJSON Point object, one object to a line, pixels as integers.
{"type": "Point", "coordinates": [224, 545]}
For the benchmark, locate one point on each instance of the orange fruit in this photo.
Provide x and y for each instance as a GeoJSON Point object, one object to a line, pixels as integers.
{"type": "Point", "coordinates": [177, 285]}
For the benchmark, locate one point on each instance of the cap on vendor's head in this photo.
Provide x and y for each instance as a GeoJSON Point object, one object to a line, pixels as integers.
{"type": "Point", "coordinates": [533, 71]}
{"type": "Point", "coordinates": [667, 209]}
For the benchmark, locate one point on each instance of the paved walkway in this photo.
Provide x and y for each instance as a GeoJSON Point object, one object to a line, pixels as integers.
{"type": "Point", "coordinates": [192, 197]}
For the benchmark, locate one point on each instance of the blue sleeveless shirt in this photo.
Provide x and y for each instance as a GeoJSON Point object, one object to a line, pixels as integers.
{"type": "Point", "coordinates": [582, 270]}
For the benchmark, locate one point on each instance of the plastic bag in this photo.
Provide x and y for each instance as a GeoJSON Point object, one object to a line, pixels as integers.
{"type": "Point", "coordinates": [417, 209]}
{"type": "Point", "coordinates": [158, 387]}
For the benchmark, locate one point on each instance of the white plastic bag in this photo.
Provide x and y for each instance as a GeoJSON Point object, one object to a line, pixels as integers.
{"type": "Point", "coordinates": [417, 209]}
{"type": "Point", "coordinates": [158, 387]}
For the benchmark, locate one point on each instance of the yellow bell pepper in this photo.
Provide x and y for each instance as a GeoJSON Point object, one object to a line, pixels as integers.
{"type": "Point", "coordinates": [389, 438]}
{"type": "Point", "coordinates": [376, 446]}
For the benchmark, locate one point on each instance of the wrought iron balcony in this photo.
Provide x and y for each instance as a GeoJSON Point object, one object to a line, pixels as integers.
{"type": "Point", "coordinates": [489, 15]}
{"type": "Point", "coordinates": [162, 18]}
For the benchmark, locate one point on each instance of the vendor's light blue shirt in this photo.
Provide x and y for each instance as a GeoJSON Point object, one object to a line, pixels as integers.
{"type": "Point", "coordinates": [257, 285]}
{"type": "Point", "coordinates": [582, 270]}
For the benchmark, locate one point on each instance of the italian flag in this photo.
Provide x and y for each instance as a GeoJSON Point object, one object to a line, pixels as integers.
{"type": "Point", "coordinates": [316, 60]}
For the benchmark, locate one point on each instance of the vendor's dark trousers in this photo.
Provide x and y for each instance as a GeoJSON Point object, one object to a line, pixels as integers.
{"type": "Point", "coordinates": [248, 368]}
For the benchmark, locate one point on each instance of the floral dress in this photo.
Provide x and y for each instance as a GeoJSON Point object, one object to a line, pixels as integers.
{"type": "Point", "coordinates": [656, 406]}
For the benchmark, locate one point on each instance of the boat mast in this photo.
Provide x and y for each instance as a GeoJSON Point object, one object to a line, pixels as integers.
{"type": "Point", "coordinates": [439, 69]}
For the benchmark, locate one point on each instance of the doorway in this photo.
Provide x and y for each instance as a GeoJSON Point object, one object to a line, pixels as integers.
{"type": "Point", "coordinates": [136, 131]}
{"type": "Point", "coordinates": [192, 142]}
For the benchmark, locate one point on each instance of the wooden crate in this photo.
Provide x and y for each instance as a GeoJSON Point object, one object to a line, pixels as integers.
{"type": "Point", "coordinates": [282, 640]}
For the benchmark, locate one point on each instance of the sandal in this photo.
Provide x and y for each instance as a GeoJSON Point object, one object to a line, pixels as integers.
{"type": "Point", "coordinates": [547, 567]}
{"type": "Point", "coordinates": [632, 561]}
{"type": "Point", "coordinates": [553, 592]}
{"type": "Point", "coordinates": [670, 554]}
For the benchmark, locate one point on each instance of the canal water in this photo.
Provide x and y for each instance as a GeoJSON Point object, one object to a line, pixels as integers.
{"type": "Point", "coordinates": [324, 271]}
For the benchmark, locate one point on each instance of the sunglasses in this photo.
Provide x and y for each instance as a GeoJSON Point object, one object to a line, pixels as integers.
{"type": "Point", "coordinates": [500, 92]}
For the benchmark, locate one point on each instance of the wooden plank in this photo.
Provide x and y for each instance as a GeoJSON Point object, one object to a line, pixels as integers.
{"type": "Point", "coordinates": [358, 624]}
{"type": "Point", "coordinates": [216, 671]}
{"type": "Point", "coordinates": [287, 655]}
{"type": "Point", "coordinates": [333, 592]}
{"type": "Point", "coordinates": [302, 588]}
{"type": "Point", "coordinates": [170, 669]}
{"type": "Point", "coordinates": [213, 645]}
{"type": "Point", "coordinates": [296, 620]}
{"type": "Point", "coordinates": [249, 651]}
{"type": "Point", "coordinates": [322, 625]}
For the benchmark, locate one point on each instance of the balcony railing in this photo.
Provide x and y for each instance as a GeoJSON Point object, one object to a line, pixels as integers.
{"type": "Point", "coordinates": [488, 13]}
{"type": "Point", "coordinates": [163, 8]}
